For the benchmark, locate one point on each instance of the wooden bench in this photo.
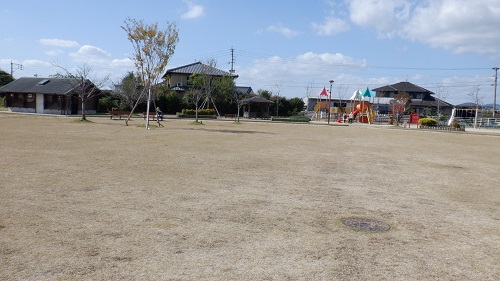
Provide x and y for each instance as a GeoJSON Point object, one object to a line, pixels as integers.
{"type": "Point", "coordinates": [229, 116]}
{"type": "Point", "coordinates": [152, 115]}
{"type": "Point", "coordinates": [118, 113]}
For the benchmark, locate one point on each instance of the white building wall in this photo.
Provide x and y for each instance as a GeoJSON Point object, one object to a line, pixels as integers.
{"type": "Point", "coordinates": [39, 103]}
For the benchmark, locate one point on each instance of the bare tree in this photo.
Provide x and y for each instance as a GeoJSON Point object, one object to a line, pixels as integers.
{"type": "Point", "coordinates": [83, 85]}
{"type": "Point", "coordinates": [195, 92]}
{"type": "Point", "coordinates": [276, 92]}
{"type": "Point", "coordinates": [441, 93]}
{"type": "Point", "coordinates": [208, 84]}
{"type": "Point", "coordinates": [399, 105]}
{"type": "Point", "coordinates": [153, 48]}
{"type": "Point", "coordinates": [477, 100]}
{"type": "Point", "coordinates": [342, 92]}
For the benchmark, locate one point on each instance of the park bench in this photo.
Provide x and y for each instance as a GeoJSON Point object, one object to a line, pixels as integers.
{"type": "Point", "coordinates": [229, 116]}
{"type": "Point", "coordinates": [118, 113]}
{"type": "Point", "coordinates": [152, 115]}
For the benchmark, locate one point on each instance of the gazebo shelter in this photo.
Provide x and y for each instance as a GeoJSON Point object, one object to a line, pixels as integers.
{"type": "Point", "coordinates": [256, 107]}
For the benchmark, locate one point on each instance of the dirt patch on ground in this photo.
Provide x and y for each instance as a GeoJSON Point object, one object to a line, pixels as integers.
{"type": "Point", "coordinates": [250, 201]}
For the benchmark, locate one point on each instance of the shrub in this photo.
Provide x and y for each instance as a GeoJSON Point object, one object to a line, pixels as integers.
{"type": "Point", "coordinates": [429, 122]}
{"type": "Point", "coordinates": [455, 124]}
{"type": "Point", "coordinates": [200, 111]}
{"type": "Point", "coordinates": [296, 118]}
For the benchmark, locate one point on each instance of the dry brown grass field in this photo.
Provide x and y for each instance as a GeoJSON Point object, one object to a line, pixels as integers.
{"type": "Point", "coordinates": [249, 201]}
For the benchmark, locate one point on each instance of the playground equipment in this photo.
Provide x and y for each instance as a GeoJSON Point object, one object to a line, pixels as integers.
{"type": "Point", "coordinates": [319, 108]}
{"type": "Point", "coordinates": [361, 105]}
{"type": "Point", "coordinates": [365, 111]}
{"type": "Point", "coordinates": [322, 105]}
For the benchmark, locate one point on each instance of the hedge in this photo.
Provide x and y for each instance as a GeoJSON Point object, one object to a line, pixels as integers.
{"type": "Point", "coordinates": [428, 122]}
{"type": "Point", "coordinates": [200, 112]}
{"type": "Point", "coordinates": [292, 119]}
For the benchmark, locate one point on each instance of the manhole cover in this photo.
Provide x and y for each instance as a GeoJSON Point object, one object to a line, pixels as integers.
{"type": "Point", "coordinates": [366, 224]}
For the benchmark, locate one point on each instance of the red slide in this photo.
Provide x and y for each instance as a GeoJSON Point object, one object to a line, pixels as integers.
{"type": "Point", "coordinates": [355, 113]}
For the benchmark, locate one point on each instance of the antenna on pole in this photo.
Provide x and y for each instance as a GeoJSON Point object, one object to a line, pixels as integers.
{"type": "Point", "coordinates": [232, 61]}
{"type": "Point", "coordinates": [16, 65]}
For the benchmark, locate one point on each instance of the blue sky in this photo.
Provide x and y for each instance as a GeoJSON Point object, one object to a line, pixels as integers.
{"type": "Point", "coordinates": [291, 48]}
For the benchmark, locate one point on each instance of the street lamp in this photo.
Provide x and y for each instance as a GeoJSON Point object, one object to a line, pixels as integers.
{"type": "Point", "coordinates": [495, 94]}
{"type": "Point", "coordinates": [329, 101]}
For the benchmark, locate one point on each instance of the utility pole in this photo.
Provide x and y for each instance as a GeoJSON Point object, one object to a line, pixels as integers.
{"type": "Point", "coordinates": [495, 94]}
{"type": "Point", "coordinates": [16, 65]}
{"type": "Point", "coordinates": [232, 61]}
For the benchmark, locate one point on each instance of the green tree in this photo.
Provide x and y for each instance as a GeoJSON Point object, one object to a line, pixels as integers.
{"type": "Point", "coordinates": [264, 94]}
{"type": "Point", "coordinates": [296, 106]}
{"type": "Point", "coordinates": [5, 78]}
{"type": "Point", "coordinates": [129, 90]}
{"type": "Point", "coordinates": [153, 49]}
{"type": "Point", "coordinates": [168, 100]}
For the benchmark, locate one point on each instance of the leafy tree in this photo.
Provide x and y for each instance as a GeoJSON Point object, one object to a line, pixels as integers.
{"type": "Point", "coordinates": [168, 100]}
{"type": "Point", "coordinates": [5, 78]}
{"type": "Point", "coordinates": [296, 106]}
{"type": "Point", "coordinates": [129, 90]}
{"type": "Point", "coordinates": [153, 49]}
{"type": "Point", "coordinates": [84, 86]}
{"type": "Point", "coordinates": [264, 94]}
{"type": "Point", "coordinates": [399, 105]}
{"type": "Point", "coordinates": [225, 89]}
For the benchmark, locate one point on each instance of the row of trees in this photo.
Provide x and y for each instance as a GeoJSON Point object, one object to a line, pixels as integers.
{"type": "Point", "coordinates": [204, 92]}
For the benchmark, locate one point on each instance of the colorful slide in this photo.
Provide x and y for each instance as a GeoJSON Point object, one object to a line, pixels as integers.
{"type": "Point", "coordinates": [341, 120]}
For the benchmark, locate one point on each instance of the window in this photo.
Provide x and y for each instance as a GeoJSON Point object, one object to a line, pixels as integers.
{"type": "Point", "coordinates": [43, 82]}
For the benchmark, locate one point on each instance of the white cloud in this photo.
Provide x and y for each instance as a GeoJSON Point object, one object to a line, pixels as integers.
{"type": "Point", "coordinates": [194, 11]}
{"type": "Point", "coordinates": [386, 16]}
{"type": "Point", "coordinates": [330, 26]}
{"type": "Point", "coordinates": [122, 63]}
{"type": "Point", "coordinates": [287, 32]}
{"type": "Point", "coordinates": [461, 26]}
{"type": "Point", "coordinates": [90, 54]}
{"type": "Point", "coordinates": [54, 52]}
{"type": "Point", "coordinates": [59, 43]}
{"type": "Point", "coordinates": [458, 25]}
{"type": "Point", "coordinates": [293, 73]}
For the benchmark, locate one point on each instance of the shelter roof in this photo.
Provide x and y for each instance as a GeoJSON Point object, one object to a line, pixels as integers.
{"type": "Point", "coordinates": [256, 99]}
{"type": "Point", "coordinates": [35, 85]}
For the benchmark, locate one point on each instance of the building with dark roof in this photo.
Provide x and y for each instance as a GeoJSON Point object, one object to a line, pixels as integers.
{"type": "Point", "coordinates": [421, 98]}
{"type": "Point", "coordinates": [46, 95]}
{"type": "Point", "coordinates": [177, 79]}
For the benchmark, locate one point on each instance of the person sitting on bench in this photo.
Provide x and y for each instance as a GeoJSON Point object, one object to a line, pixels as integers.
{"type": "Point", "coordinates": [159, 114]}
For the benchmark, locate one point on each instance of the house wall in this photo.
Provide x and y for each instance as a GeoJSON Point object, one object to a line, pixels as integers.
{"type": "Point", "coordinates": [178, 78]}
